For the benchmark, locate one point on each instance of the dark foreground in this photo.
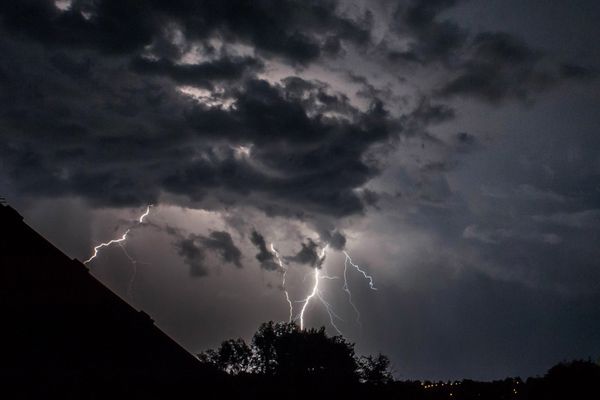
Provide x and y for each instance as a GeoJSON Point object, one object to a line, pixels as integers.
{"type": "Point", "coordinates": [572, 381]}
{"type": "Point", "coordinates": [65, 335]}
{"type": "Point", "coordinates": [283, 361]}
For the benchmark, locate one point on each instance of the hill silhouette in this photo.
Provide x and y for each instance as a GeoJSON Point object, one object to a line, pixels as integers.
{"type": "Point", "coordinates": [65, 335]}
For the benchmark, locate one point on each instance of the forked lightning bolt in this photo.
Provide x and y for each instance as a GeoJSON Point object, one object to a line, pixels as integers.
{"type": "Point", "coordinates": [368, 277]}
{"type": "Point", "coordinates": [119, 240]}
{"type": "Point", "coordinates": [348, 260]}
{"type": "Point", "coordinates": [316, 291]}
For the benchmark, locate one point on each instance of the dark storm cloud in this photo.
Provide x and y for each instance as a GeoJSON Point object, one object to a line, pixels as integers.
{"type": "Point", "coordinates": [499, 66]}
{"type": "Point", "coordinates": [203, 74]}
{"type": "Point", "coordinates": [297, 31]}
{"type": "Point", "coordinates": [111, 130]}
{"type": "Point", "coordinates": [464, 142]}
{"type": "Point", "coordinates": [427, 113]}
{"type": "Point", "coordinates": [319, 160]}
{"type": "Point", "coordinates": [111, 122]}
{"type": "Point", "coordinates": [370, 197]}
{"type": "Point", "coordinates": [334, 238]}
{"type": "Point", "coordinates": [111, 119]}
{"type": "Point", "coordinates": [432, 39]}
{"type": "Point", "coordinates": [109, 26]}
{"type": "Point", "coordinates": [222, 243]}
{"type": "Point", "coordinates": [491, 66]}
{"type": "Point", "coordinates": [368, 90]}
{"type": "Point", "coordinates": [308, 255]}
{"type": "Point", "coordinates": [192, 249]}
{"type": "Point", "coordinates": [264, 256]}
{"type": "Point", "coordinates": [465, 138]}
{"type": "Point", "coordinates": [193, 255]}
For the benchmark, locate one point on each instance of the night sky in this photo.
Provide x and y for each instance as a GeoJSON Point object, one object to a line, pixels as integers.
{"type": "Point", "coordinates": [452, 148]}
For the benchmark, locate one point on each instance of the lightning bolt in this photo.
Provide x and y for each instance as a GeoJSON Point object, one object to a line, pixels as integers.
{"type": "Point", "coordinates": [134, 263]}
{"type": "Point", "coordinates": [284, 269]}
{"type": "Point", "coordinates": [145, 214]}
{"type": "Point", "coordinates": [346, 288]}
{"type": "Point", "coordinates": [310, 296]}
{"type": "Point", "coordinates": [367, 277]}
{"type": "Point", "coordinates": [106, 244]}
{"type": "Point", "coordinates": [120, 241]}
{"type": "Point", "coordinates": [330, 312]}
{"type": "Point", "coordinates": [316, 292]}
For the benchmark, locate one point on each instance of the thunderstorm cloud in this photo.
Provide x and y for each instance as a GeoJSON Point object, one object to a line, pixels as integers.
{"type": "Point", "coordinates": [450, 146]}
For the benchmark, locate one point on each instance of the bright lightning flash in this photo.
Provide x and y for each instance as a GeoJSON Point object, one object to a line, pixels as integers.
{"type": "Point", "coordinates": [106, 244]}
{"type": "Point", "coordinates": [310, 296]}
{"type": "Point", "coordinates": [348, 260]}
{"type": "Point", "coordinates": [119, 240]}
{"type": "Point", "coordinates": [145, 214]}
{"type": "Point", "coordinates": [368, 277]}
{"type": "Point", "coordinates": [317, 293]}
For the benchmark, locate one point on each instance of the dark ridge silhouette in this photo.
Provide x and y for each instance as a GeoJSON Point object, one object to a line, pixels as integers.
{"type": "Point", "coordinates": [66, 335]}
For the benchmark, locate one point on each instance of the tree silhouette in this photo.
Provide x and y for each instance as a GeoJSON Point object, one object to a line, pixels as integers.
{"type": "Point", "coordinates": [283, 350]}
{"type": "Point", "coordinates": [234, 356]}
{"type": "Point", "coordinates": [576, 380]}
{"type": "Point", "coordinates": [375, 370]}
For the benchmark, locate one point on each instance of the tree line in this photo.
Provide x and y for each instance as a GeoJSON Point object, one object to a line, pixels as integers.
{"type": "Point", "coordinates": [283, 361]}
{"type": "Point", "coordinates": [282, 350]}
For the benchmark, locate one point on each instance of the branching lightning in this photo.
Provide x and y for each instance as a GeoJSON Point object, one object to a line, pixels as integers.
{"type": "Point", "coordinates": [330, 312]}
{"type": "Point", "coordinates": [318, 276]}
{"type": "Point", "coordinates": [316, 291]}
{"type": "Point", "coordinates": [368, 277]}
{"type": "Point", "coordinates": [348, 260]}
{"type": "Point", "coordinates": [120, 240]}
